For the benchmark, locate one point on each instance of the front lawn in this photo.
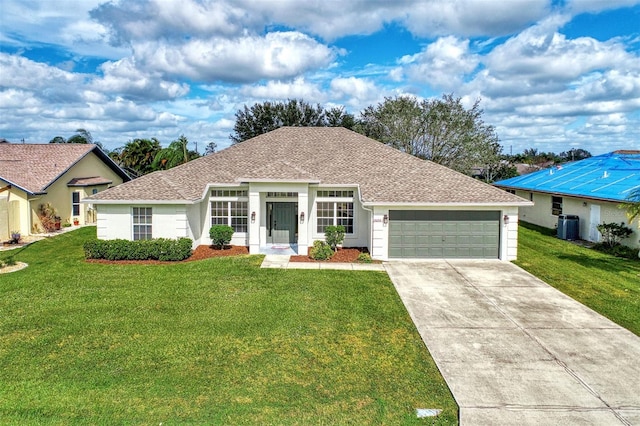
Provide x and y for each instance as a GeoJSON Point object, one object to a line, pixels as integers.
{"type": "Point", "coordinates": [607, 284]}
{"type": "Point", "coordinates": [216, 341]}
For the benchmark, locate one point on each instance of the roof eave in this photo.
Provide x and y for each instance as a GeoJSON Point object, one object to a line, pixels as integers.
{"type": "Point", "coordinates": [564, 194]}
{"type": "Point", "coordinates": [523, 203]}
{"type": "Point", "coordinates": [89, 200]}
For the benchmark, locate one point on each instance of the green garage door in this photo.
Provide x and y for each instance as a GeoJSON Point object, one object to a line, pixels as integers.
{"type": "Point", "coordinates": [444, 234]}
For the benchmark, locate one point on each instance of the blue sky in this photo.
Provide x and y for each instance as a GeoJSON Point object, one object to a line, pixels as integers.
{"type": "Point", "coordinates": [551, 75]}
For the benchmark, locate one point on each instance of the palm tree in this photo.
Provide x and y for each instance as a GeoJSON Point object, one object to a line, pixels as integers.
{"type": "Point", "coordinates": [139, 154]}
{"type": "Point", "coordinates": [175, 154]}
{"type": "Point", "coordinates": [632, 205]}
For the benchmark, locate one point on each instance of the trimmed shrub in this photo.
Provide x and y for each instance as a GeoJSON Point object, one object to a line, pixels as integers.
{"type": "Point", "coordinates": [364, 258]}
{"type": "Point", "coordinates": [221, 235]}
{"type": "Point", "coordinates": [320, 251]}
{"type": "Point", "coordinates": [334, 236]}
{"type": "Point", "coordinates": [164, 249]}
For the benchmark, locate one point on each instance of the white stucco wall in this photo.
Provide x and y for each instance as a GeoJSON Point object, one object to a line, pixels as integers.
{"type": "Point", "coordinates": [540, 214]}
{"type": "Point", "coordinates": [361, 218]}
{"type": "Point", "coordinates": [116, 222]}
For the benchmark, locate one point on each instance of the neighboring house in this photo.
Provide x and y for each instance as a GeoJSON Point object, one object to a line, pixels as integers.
{"type": "Point", "coordinates": [59, 174]}
{"type": "Point", "coordinates": [592, 189]}
{"type": "Point", "coordinates": [284, 187]}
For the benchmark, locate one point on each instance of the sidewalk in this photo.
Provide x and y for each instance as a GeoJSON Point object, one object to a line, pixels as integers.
{"type": "Point", "coordinates": [282, 262]}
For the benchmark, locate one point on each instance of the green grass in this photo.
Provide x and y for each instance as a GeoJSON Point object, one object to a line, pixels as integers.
{"type": "Point", "coordinates": [217, 341]}
{"type": "Point", "coordinates": [607, 284]}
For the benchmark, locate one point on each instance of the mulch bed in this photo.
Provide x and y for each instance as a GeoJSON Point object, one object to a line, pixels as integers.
{"type": "Point", "coordinates": [343, 255]}
{"type": "Point", "coordinates": [201, 252]}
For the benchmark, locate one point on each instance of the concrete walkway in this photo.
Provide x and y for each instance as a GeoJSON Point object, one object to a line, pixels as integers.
{"type": "Point", "coordinates": [282, 262]}
{"type": "Point", "coordinates": [515, 351]}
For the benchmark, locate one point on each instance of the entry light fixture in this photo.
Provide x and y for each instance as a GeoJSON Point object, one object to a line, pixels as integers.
{"type": "Point", "coordinates": [505, 219]}
{"type": "Point", "coordinates": [253, 217]}
{"type": "Point", "coordinates": [385, 219]}
{"type": "Point", "coordinates": [301, 217]}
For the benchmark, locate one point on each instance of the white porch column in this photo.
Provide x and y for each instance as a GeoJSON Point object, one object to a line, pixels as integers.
{"type": "Point", "coordinates": [254, 224]}
{"type": "Point", "coordinates": [303, 226]}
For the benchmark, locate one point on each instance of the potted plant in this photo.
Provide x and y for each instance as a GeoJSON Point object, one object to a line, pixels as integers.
{"type": "Point", "coordinates": [76, 221]}
{"type": "Point", "coordinates": [66, 223]}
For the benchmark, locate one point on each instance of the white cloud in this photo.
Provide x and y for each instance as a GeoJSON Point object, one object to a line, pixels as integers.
{"type": "Point", "coordinates": [125, 78]}
{"type": "Point", "coordinates": [277, 55]}
{"type": "Point", "coordinates": [473, 18]}
{"type": "Point", "coordinates": [280, 90]}
{"type": "Point", "coordinates": [442, 64]}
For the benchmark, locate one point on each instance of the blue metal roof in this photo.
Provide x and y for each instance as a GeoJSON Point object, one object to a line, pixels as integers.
{"type": "Point", "coordinates": [608, 177]}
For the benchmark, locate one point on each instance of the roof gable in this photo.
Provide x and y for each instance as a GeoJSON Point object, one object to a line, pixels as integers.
{"type": "Point", "coordinates": [34, 167]}
{"type": "Point", "coordinates": [608, 177]}
{"type": "Point", "coordinates": [323, 155]}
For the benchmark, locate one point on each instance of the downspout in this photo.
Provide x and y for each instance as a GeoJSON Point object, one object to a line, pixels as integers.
{"type": "Point", "coordinates": [370, 221]}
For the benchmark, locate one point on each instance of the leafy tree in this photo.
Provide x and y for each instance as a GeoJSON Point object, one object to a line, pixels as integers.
{"type": "Point", "coordinates": [440, 130]}
{"type": "Point", "coordinates": [211, 148]}
{"type": "Point", "coordinates": [58, 139]}
{"type": "Point", "coordinates": [82, 136]}
{"type": "Point", "coordinates": [574, 155]}
{"type": "Point", "coordinates": [175, 154]}
{"type": "Point", "coordinates": [138, 155]}
{"type": "Point", "coordinates": [267, 116]}
{"type": "Point", "coordinates": [339, 117]}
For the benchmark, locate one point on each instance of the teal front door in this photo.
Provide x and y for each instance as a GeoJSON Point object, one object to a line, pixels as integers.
{"type": "Point", "coordinates": [282, 223]}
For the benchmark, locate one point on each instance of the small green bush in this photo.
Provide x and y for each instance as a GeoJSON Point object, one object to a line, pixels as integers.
{"type": "Point", "coordinates": [364, 258]}
{"type": "Point", "coordinates": [613, 234]}
{"type": "Point", "coordinates": [334, 236]}
{"type": "Point", "coordinates": [221, 235]}
{"type": "Point", "coordinates": [164, 249]}
{"type": "Point", "coordinates": [320, 251]}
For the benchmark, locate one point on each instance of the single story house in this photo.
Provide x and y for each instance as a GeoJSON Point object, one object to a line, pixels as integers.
{"type": "Point", "coordinates": [592, 189]}
{"type": "Point", "coordinates": [59, 174]}
{"type": "Point", "coordinates": [284, 187]}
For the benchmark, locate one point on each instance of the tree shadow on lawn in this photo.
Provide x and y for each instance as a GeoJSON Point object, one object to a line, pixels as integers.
{"type": "Point", "coordinates": [611, 264]}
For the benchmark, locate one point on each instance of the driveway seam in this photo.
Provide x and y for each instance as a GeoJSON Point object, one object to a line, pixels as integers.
{"type": "Point", "coordinates": [569, 371]}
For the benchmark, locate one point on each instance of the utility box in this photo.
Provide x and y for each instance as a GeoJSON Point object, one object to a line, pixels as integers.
{"type": "Point", "coordinates": [568, 227]}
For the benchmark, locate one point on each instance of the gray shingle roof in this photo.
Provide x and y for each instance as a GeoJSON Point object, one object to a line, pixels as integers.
{"type": "Point", "coordinates": [327, 155]}
{"type": "Point", "coordinates": [34, 167]}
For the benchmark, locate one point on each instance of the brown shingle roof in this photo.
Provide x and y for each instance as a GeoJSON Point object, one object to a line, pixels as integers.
{"type": "Point", "coordinates": [33, 167]}
{"type": "Point", "coordinates": [328, 155]}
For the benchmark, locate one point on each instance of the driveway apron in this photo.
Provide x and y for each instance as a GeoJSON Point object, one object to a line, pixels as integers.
{"type": "Point", "coordinates": [514, 350]}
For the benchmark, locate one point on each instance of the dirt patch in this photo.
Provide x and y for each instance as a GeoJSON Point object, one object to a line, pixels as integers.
{"type": "Point", "coordinates": [343, 255]}
{"type": "Point", "coordinates": [200, 253]}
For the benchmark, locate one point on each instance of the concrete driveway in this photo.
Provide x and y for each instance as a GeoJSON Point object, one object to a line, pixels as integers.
{"type": "Point", "coordinates": [514, 350]}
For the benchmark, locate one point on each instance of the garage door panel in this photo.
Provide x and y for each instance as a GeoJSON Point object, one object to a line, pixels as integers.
{"type": "Point", "coordinates": [444, 234]}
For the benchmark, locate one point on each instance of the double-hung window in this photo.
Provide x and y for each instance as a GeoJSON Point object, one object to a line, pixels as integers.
{"type": "Point", "coordinates": [334, 208]}
{"type": "Point", "coordinates": [230, 207]}
{"type": "Point", "coordinates": [142, 219]}
{"type": "Point", "coordinates": [556, 206]}
{"type": "Point", "coordinates": [75, 203]}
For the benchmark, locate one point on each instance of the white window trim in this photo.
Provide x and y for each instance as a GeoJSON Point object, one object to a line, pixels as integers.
{"type": "Point", "coordinates": [334, 201]}
{"type": "Point", "coordinates": [229, 200]}
{"type": "Point", "coordinates": [134, 224]}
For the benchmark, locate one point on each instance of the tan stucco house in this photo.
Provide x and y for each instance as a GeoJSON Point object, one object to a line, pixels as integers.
{"type": "Point", "coordinates": [59, 174]}
{"type": "Point", "coordinates": [284, 187]}
{"type": "Point", "coordinates": [591, 189]}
